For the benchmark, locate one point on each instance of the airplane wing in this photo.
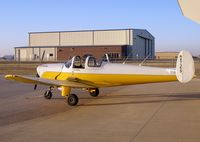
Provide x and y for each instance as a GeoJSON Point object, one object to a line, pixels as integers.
{"type": "Point", "coordinates": [71, 82]}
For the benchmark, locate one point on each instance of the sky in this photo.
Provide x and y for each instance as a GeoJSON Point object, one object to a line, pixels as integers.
{"type": "Point", "coordinates": [162, 18]}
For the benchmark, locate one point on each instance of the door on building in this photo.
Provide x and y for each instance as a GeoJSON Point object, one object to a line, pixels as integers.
{"type": "Point", "coordinates": [22, 55]}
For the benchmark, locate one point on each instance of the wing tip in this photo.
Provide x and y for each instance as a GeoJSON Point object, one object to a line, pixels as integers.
{"type": "Point", "coordinates": [9, 76]}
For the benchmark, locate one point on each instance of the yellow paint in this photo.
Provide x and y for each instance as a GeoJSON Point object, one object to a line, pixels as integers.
{"type": "Point", "coordinates": [20, 79]}
{"type": "Point", "coordinates": [65, 91]}
{"type": "Point", "coordinates": [51, 75]}
{"type": "Point", "coordinates": [105, 80]}
{"type": "Point", "coordinates": [9, 76]}
{"type": "Point", "coordinates": [92, 90]}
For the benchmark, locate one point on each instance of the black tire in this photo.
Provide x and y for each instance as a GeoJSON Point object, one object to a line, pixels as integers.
{"type": "Point", "coordinates": [94, 93]}
{"type": "Point", "coordinates": [72, 100]}
{"type": "Point", "coordinates": [48, 95]}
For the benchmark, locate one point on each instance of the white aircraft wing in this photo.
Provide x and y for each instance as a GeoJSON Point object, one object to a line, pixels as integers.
{"type": "Point", "coordinates": [71, 82]}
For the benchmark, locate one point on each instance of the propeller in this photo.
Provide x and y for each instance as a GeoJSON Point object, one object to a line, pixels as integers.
{"type": "Point", "coordinates": [37, 75]}
{"type": "Point", "coordinates": [35, 86]}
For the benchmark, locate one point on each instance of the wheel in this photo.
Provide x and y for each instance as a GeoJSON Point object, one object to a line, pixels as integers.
{"type": "Point", "coordinates": [48, 94]}
{"type": "Point", "coordinates": [94, 92]}
{"type": "Point", "coordinates": [72, 100]}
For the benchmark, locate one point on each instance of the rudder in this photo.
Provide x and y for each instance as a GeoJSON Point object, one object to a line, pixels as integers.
{"type": "Point", "coordinates": [185, 67]}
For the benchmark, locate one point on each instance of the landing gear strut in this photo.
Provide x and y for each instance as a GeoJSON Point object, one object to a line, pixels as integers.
{"type": "Point", "coordinates": [48, 94]}
{"type": "Point", "coordinates": [94, 92]}
{"type": "Point", "coordinates": [72, 100]}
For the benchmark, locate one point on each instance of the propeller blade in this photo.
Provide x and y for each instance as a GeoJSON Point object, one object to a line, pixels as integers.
{"type": "Point", "coordinates": [35, 86]}
{"type": "Point", "coordinates": [37, 75]}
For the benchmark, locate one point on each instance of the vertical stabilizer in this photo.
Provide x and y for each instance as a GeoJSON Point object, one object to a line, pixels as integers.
{"type": "Point", "coordinates": [185, 67]}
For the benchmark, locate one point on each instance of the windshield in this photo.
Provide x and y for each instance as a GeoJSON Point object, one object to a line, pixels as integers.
{"type": "Point", "coordinates": [92, 62]}
{"type": "Point", "coordinates": [68, 63]}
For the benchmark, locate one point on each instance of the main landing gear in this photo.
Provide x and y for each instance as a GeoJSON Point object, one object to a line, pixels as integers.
{"type": "Point", "coordinates": [48, 94]}
{"type": "Point", "coordinates": [72, 99]}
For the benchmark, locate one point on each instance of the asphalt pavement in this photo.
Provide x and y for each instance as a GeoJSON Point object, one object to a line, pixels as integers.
{"type": "Point", "coordinates": [159, 112]}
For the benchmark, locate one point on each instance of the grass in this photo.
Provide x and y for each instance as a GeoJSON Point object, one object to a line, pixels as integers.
{"type": "Point", "coordinates": [18, 68]}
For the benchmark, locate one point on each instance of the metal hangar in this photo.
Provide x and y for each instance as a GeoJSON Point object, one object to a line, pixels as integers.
{"type": "Point", "coordinates": [62, 45]}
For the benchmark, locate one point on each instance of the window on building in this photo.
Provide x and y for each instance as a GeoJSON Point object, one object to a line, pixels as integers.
{"type": "Point", "coordinates": [114, 55]}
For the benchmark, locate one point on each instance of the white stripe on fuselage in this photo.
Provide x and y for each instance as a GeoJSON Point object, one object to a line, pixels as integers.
{"type": "Point", "coordinates": [109, 68]}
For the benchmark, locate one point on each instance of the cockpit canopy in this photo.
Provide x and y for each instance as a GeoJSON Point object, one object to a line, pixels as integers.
{"type": "Point", "coordinates": [81, 63]}
{"type": "Point", "coordinates": [91, 62]}
{"type": "Point", "coordinates": [78, 62]}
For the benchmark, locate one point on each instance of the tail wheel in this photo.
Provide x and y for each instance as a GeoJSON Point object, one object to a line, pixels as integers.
{"type": "Point", "coordinates": [48, 94]}
{"type": "Point", "coordinates": [94, 92]}
{"type": "Point", "coordinates": [72, 100]}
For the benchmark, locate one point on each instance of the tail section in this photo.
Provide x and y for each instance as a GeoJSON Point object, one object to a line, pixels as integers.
{"type": "Point", "coordinates": [185, 67]}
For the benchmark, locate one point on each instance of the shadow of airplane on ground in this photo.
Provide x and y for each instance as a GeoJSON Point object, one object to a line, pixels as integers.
{"type": "Point", "coordinates": [149, 98]}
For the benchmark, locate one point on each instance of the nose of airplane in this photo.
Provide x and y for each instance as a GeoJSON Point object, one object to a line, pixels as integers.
{"type": "Point", "coordinates": [49, 67]}
{"type": "Point", "coordinates": [40, 69]}
{"type": "Point", "coordinates": [39, 73]}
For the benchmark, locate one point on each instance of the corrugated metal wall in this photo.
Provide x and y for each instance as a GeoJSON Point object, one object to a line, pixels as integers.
{"type": "Point", "coordinates": [44, 39]}
{"type": "Point", "coordinates": [118, 37]}
{"type": "Point", "coordinates": [76, 38]}
{"type": "Point", "coordinates": [84, 38]}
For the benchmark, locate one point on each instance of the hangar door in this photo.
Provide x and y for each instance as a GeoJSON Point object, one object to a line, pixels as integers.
{"type": "Point", "coordinates": [142, 46]}
{"type": "Point", "coordinates": [148, 48]}
{"type": "Point", "coordinates": [147, 54]}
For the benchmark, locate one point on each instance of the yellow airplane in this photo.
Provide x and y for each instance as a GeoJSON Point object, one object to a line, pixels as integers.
{"type": "Point", "coordinates": [91, 76]}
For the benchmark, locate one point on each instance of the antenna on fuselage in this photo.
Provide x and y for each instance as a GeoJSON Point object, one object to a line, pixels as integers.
{"type": "Point", "coordinates": [145, 59]}
{"type": "Point", "coordinates": [107, 58]}
{"type": "Point", "coordinates": [127, 57]}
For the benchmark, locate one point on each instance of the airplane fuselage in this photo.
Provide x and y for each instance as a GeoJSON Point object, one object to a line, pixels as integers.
{"type": "Point", "coordinates": [109, 74]}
